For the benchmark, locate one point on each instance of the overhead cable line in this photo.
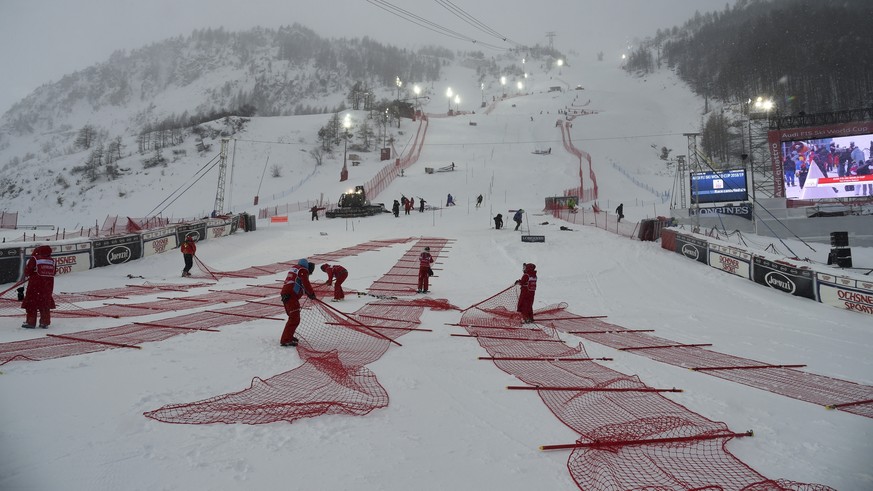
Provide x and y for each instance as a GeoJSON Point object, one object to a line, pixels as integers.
{"type": "Point", "coordinates": [432, 26]}
{"type": "Point", "coordinates": [466, 17]}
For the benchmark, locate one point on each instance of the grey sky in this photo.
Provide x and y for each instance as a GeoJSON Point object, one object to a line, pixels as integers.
{"type": "Point", "coordinates": [41, 40]}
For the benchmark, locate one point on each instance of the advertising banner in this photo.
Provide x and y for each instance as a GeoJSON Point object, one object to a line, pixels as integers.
{"type": "Point", "coordinates": [11, 265]}
{"type": "Point", "coordinates": [197, 229]}
{"type": "Point", "coordinates": [69, 258]}
{"type": "Point", "coordinates": [731, 260]}
{"type": "Point", "coordinates": [116, 250]}
{"type": "Point", "coordinates": [845, 293]}
{"type": "Point", "coordinates": [218, 227]}
{"type": "Point", "coordinates": [691, 247]}
{"type": "Point", "coordinates": [159, 241]}
{"type": "Point", "coordinates": [783, 277]}
{"type": "Point", "coordinates": [743, 210]}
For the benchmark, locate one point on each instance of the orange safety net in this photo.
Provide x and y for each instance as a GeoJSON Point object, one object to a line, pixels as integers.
{"type": "Point", "coordinates": [630, 436]}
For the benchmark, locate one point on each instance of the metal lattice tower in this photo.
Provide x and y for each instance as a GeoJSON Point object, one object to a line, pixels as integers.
{"type": "Point", "coordinates": [222, 171]}
{"type": "Point", "coordinates": [551, 35]}
{"type": "Point", "coordinates": [763, 180]}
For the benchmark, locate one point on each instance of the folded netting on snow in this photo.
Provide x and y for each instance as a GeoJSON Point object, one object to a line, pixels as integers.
{"type": "Point", "coordinates": [136, 333]}
{"type": "Point", "coordinates": [334, 348]}
{"type": "Point", "coordinates": [631, 436]}
{"type": "Point", "coordinates": [402, 278]}
{"type": "Point", "coordinates": [779, 379]}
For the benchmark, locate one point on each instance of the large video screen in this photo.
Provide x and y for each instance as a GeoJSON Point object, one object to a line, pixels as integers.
{"type": "Point", "coordinates": [836, 167]}
{"type": "Point", "coordinates": [823, 162]}
{"type": "Point", "coordinates": [719, 186]}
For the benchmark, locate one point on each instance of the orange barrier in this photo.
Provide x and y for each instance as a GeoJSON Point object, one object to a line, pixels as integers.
{"type": "Point", "coordinates": [279, 219]}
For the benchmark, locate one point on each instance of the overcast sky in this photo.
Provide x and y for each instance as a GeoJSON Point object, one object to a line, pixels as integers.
{"type": "Point", "coordinates": [42, 40]}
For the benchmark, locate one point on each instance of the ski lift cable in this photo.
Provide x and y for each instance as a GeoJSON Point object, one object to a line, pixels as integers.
{"type": "Point", "coordinates": [215, 161]}
{"type": "Point", "coordinates": [463, 15]}
{"type": "Point", "coordinates": [189, 187]}
{"type": "Point", "coordinates": [429, 25]}
{"type": "Point", "coordinates": [180, 187]}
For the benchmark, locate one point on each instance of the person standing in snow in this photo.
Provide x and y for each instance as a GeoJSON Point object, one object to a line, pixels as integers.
{"type": "Point", "coordinates": [189, 249]}
{"type": "Point", "coordinates": [528, 289]}
{"type": "Point", "coordinates": [395, 208]}
{"type": "Point", "coordinates": [620, 211]}
{"type": "Point", "coordinates": [340, 274]}
{"type": "Point", "coordinates": [424, 271]}
{"type": "Point", "coordinates": [517, 218]}
{"type": "Point", "coordinates": [498, 221]}
{"type": "Point", "coordinates": [314, 211]}
{"type": "Point", "coordinates": [40, 275]}
{"type": "Point", "coordinates": [478, 201]}
{"type": "Point", "coordinates": [296, 285]}
{"type": "Point", "coordinates": [421, 203]}
{"type": "Point", "coordinates": [450, 201]}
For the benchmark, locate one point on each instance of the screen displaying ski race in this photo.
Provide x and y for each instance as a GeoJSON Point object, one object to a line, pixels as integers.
{"type": "Point", "coordinates": [824, 162]}
{"type": "Point", "coordinates": [719, 186]}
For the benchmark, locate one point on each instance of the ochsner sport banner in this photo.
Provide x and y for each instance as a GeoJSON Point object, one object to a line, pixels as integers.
{"type": "Point", "coordinates": [783, 277]}
{"type": "Point", "coordinates": [691, 247]}
{"type": "Point", "coordinates": [731, 260]}
{"type": "Point", "coordinates": [69, 258]}
{"type": "Point", "coordinates": [845, 293]}
{"type": "Point", "coordinates": [218, 227]}
{"type": "Point", "coordinates": [116, 250]}
{"type": "Point", "coordinates": [159, 241]}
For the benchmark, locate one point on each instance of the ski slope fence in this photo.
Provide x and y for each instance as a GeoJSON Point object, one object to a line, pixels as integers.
{"type": "Point", "coordinates": [837, 288]}
{"type": "Point", "coordinates": [630, 435]}
{"type": "Point", "coordinates": [102, 250]}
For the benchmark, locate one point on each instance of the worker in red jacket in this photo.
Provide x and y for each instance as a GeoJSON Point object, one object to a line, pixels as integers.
{"type": "Point", "coordinates": [189, 248]}
{"type": "Point", "coordinates": [340, 274]}
{"type": "Point", "coordinates": [528, 286]}
{"type": "Point", "coordinates": [296, 285]}
{"type": "Point", "coordinates": [424, 271]}
{"type": "Point", "coordinates": [40, 275]}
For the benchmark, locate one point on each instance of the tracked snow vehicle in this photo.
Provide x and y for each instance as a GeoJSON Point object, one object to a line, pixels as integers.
{"type": "Point", "coordinates": [355, 204]}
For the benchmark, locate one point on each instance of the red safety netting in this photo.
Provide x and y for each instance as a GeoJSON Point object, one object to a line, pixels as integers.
{"type": "Point", "coordinates": [777, 378]}
{"type": "Point", "coordinates": [333, 379]}
{"type": "Point", "coordinates": [335, 348]}
{"type": "Point", "coordinates": [402, 278]}
{"type": "Point", "coordinates": [631, 437]}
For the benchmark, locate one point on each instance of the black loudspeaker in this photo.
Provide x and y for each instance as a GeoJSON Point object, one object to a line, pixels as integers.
{"type": "Point", "coordinates": [839, 239]}
{"type": "Point", "coordinates": [842, 257]}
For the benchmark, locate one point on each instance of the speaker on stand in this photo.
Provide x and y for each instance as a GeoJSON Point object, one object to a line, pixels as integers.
{"type": "Point", "coordinates": [841, 253]}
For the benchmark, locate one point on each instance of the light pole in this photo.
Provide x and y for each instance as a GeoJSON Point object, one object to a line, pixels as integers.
{"type": "Point", "coordinates": [482, 88]}
{"type": "Point", "coordinates": [503, 84]}
{"type": "Point", "coordinates": [560, 64]}
{"type": "Point", "coordinates": [457, 102]}
{"type": "Point", "coordinates": [347, 123]}
{"type": "Point", "coordinates": [522, 68]}
{"type": "Point", "coordinates": [449, 94]}
{"type": "Point", "coordinates": [520, 86]}
{"type": "Point", "coordinates": [399, 84]}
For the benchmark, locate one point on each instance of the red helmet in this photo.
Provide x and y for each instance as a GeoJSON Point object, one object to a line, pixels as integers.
{"type": "Point", "coordinates": [530, 268]}
{"type": "Point", "coordinates": [324, 267]}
